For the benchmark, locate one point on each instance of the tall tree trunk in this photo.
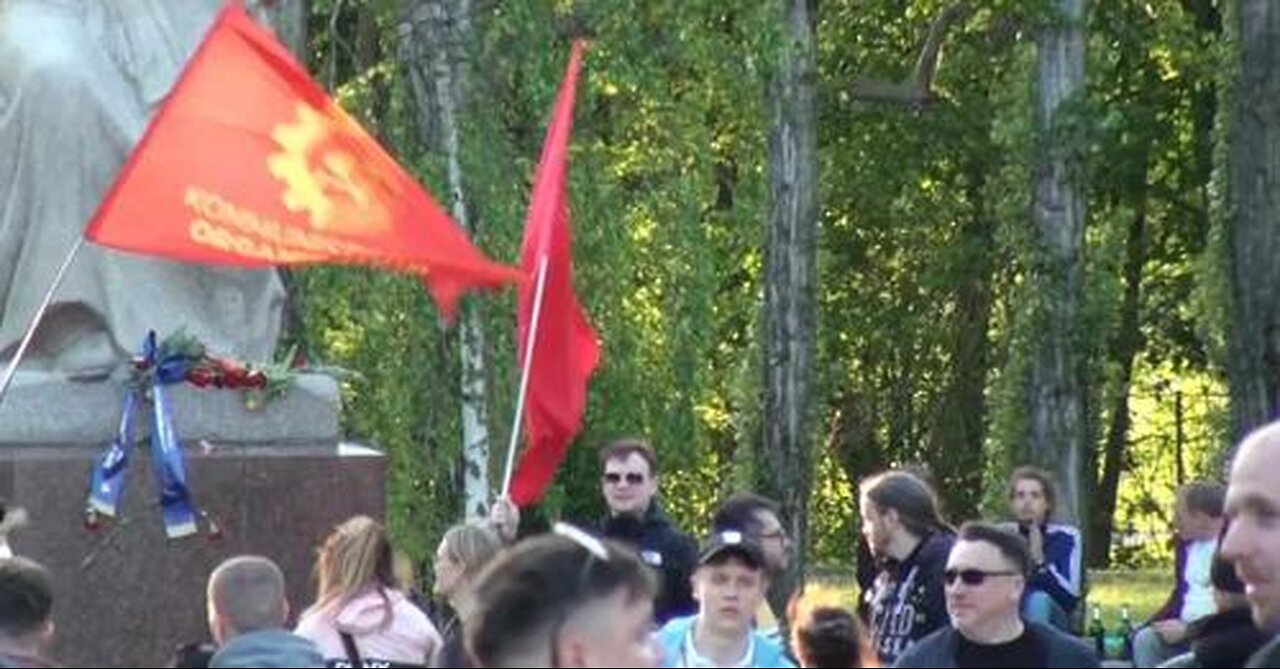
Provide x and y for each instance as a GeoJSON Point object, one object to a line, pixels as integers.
{"type": "Point", "coordinates": [1056, 391]}
{"type": "Point", "coordinates": [959, 423]}
{"type": "Point", "coordinates": [438, 40]}
{"type": "Point", "coordinates": [1125, 345]}
{"type": "Point", "coordinates": [791, 275]}
{"type": "Point", "coordinates": [1253, 227]}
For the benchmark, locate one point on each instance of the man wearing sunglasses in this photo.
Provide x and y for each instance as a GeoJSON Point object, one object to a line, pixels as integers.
{"type": "Point", "coordinates": [629, 484]}
{"type": "Point", "coordinates": [985, 578]}
{"type": "Point", "coordinates": [564, 599]}
{"type": "Point", "coordinates": [730, 585]}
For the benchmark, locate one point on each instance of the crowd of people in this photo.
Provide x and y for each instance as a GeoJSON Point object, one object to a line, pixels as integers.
{"type": "Point", "coordinates": [635, 591]}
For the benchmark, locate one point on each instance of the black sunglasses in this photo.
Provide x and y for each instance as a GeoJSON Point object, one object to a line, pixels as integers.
{"type": "Point", "coordinates": [614, 478]}
{"type": "Point", "coordinates": [972, 576]}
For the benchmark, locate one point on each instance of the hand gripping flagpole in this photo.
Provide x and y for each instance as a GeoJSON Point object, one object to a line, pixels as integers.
{"type": "Point", "coordinates": [12, 369]}
{"type": "Point", "coordinates": [539, 285]}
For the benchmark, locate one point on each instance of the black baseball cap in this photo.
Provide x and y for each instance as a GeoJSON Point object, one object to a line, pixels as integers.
{"type": "Point", "coordinates": [724, 543]}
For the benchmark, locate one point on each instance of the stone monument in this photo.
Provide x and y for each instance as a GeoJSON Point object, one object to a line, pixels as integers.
{"type": "Point", "coordinates": [79, 81]}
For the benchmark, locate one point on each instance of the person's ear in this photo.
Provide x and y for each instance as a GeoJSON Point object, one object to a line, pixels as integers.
{"type": "Point", "coordinates": [570, 650]}
{"type": "Point", "coordinates": [46, 632]}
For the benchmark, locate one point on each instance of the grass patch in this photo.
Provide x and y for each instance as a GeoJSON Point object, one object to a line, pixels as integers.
{"type": "Point", "coordinates": [1144, 592]}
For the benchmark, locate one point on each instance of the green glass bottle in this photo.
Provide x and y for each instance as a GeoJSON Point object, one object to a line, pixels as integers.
{"type": "Point", "coordinates": [1126, 630]}
{"type": "Point", "coordinates": [1098, 632]}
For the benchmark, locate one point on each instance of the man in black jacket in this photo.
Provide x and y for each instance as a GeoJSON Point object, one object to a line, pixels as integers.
{"type": "Point", "coordinates": [910, 542]}
{"type": "Point", "coordinates": [629, 484]}
{"type": "Point", "coordinates": [986, 575]}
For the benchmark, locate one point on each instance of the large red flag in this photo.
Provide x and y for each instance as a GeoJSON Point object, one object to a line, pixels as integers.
{"type": "Point", "coordinates": [249, 163]}
{"type": "Point", "coordinates": [566, 349]}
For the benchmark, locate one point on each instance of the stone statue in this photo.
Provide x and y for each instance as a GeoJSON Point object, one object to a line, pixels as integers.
{"type": "Point", "coordinates": [79, 80]}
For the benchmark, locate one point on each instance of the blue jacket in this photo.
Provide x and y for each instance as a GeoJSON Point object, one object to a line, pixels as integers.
{"type": "Point", "coordinates": [1062, 574]}
{"type": "Point", "coordinates": [268, 648]}
{"type": "Point", "coordinates": [672, 639]}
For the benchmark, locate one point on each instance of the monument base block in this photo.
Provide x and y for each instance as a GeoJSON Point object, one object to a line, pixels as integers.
{"type": "Point", "coordinates": [126, 596]}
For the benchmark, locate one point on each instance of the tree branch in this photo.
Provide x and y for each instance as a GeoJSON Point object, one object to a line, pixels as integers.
{"type": "Point", "coordinates": [917, 91]}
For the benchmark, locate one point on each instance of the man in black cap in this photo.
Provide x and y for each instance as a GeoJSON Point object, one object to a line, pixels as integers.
{"type": "Point", "coordinates": [729, 583]}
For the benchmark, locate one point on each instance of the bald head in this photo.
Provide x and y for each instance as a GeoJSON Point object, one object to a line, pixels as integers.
{"type": "Point", "coordinates": [246, 594]}
{"type": "Point", "coordinates": [1252, 541]}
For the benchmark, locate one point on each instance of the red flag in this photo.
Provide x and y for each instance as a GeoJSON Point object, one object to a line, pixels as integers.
{"type": "Point", "coordinates": [566, 349]}
{"type": "Point", "coordinates": [249, 163]}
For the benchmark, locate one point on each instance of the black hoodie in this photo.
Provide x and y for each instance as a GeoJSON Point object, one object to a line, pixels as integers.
{"type": "Point", "coordinates": [661, 545]}
{"type": "Point", "coordinates": [908, 599]}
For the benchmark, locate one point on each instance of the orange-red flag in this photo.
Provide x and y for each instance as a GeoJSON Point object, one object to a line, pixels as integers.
{"type": "Point", "coordinates": [566, 350]}
{"type": "Point", "coordinates": [249, 163]}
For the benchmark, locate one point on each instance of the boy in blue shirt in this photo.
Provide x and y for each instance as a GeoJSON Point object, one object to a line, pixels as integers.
{"type": "Point", "coordinates": [729, 583]}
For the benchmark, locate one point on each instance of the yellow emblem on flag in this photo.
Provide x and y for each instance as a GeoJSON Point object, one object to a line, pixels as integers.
{"type": "Point", "coordinates": [322, 176]}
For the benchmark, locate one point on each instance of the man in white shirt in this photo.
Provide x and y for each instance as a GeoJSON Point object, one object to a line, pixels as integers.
{"type": "Point", "coordinates": [1198, 517]}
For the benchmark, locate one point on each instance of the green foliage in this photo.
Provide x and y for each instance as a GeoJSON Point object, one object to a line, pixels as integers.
{"type": "Point", "coordinates": [925, 307]}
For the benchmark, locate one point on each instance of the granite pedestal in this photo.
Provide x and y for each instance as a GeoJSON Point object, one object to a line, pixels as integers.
{"type": "Point", "coordinates": [126, 595]}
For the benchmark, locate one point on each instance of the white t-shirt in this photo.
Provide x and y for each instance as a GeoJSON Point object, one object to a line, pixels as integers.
{"type": "Point", "coordinates": [689, 656]}
{"type": "Point", "coordinates": [1198, 601]}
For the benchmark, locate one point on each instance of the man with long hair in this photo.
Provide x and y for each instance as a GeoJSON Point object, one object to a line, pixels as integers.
{"type": "Point", "coordinates": [910, 542]}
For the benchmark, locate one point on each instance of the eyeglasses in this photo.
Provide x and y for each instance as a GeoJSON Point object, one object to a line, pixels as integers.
{"type": "Point", "coordinates": [777, 535]}
{"type": "Point", "coordinates": [632, 478]}
{"type": "Point", "coordinates": [973, 577]}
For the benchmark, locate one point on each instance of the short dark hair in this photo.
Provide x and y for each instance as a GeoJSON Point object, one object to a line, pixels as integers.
{"type": "Point", "coordinates": [534, 586]}
{"type": "Point", "coordinates": [828, 636]}
{"type": "Point", "coordinates": [908, 495]}
{"type": "Point", "coordinates": [1205, 498]}
{"type": "Point", "coordinates": [1044, 478]}
{"type": "Point", "coordinates": [1010, 544]}
{"type": "Point", "coordinates": [26, 596]}
{"type": "Point", "coordinates": [739, 512]}
{"type": "Point", "coordinates": [621, 449]}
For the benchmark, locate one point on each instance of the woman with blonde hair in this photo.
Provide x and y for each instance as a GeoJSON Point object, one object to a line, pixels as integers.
{"type": "Point", "coordinates": [464, 551]}
{"type": "Point", "coordinates": [359, 616]}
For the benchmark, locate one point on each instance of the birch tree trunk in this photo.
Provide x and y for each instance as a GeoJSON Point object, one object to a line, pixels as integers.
{"type": "Point", "coordinates": [1056, 392]}
{"type": "Point", "coordinates": [791, 275]}
{"type": "Point", "coordinates": [436, 40]}
{"type": "Point", "coordinates": [1253, 227]}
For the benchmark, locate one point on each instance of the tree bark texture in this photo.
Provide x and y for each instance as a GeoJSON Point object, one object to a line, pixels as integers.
{"type": "Point", "coordinates": [958, 428]}
{"type": "Point", "coordinates": [1056, 391]}
{"type": "Point", "coordinates": [1253, 226]}
{"type": "Point", "coordinates": [791, 273]}
{"type": "Point", "coordinates": [436, 40]}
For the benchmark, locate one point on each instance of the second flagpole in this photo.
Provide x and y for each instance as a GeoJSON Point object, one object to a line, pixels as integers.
{"type": "Point", "coordinates": [539, 285]}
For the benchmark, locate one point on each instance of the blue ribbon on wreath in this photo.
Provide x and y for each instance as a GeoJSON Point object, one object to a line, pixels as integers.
{"type": "Point", "coordinates": [168, 463]}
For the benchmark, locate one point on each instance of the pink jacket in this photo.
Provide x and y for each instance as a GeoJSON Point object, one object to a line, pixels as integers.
{"type": "Point", "coordinates": [407, 637]}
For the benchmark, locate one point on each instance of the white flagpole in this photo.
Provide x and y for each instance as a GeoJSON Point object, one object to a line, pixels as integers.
{"type": "Point", "coordinates": [539, 285]}
{"type": "Point", "coordinates": [35, 321]}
